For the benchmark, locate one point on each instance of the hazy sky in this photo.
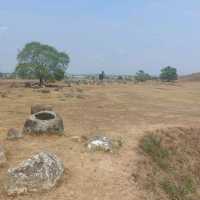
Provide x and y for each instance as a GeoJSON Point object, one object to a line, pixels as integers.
{"type": "Point", "coordinates": [118, 36]}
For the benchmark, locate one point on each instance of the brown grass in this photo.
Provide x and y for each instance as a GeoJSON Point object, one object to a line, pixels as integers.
{"type": "Point", "coordinates": [171, 164]}
{"type": "Point", "coordinates": [116, 110]}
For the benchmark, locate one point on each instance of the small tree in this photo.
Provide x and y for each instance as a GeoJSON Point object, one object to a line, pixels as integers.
{"type": "Point", "coordinates": [168, 74]}
{"type": "Point", "coordinates": [141, 76]}
{"type": "Point", "coordinates": [41, 61]}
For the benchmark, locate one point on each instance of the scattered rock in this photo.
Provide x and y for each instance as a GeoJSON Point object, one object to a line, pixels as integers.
{"type": "Point", "coordinates": [4, 94]}
{"type": "Point", "coordinates": [57, 89]}
{"type": "Point", "coordinates": [27, 84]}
{"type": "Point", "coordinates": [79, 138]}
{"type": "Point", "coordinates": [35, 86]}
{"type": "Point", "coordinates": [31, 84]}
{"type": "Point", "coordinates": [54, 86]}
{"type": "Point", "coordinates": [45, 91]}
{"type": "Point", "coordinates": [79, 96]}
{"type": "Point", "coordinates": [79, 90]}
{"type": "Point", "coordinates": [14, 134]}
{"type": "Point", "coordinates": [100, 143]}
{"type": "Point", "coordinates": [40, 107]}
{"type": "Point", "coordinates": [69, 95]}
{"type": "Point", "coordinates": [3, 159]}
{"type": "Point", "coordinates": [44, 122]}
{"type": "Point", "coordinates": [41, 172]}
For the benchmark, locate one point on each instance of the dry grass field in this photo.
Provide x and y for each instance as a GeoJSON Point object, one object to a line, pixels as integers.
{"type": "Point", "coordinates": [123, 111]}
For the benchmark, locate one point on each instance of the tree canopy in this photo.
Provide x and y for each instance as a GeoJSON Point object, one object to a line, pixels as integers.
{"type": "Point", "coordinates": [168, 74]}
{"type": "Point", "coordinates": [41, 61]}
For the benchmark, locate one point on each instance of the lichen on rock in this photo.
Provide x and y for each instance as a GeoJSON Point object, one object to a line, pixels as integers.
{"type": "Point", "coordinates": [44, 122]}
{"type": "Point", "coordinates": [100, 143]}
{"type": "Point", "coordinates": [41, 172]}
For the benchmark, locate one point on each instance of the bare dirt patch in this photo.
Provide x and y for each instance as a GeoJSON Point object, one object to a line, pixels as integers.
{"type": "Point", "coordinates": [116, 110]}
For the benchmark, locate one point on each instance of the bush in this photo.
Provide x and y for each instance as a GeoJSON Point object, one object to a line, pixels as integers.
{"type": "Point", "coordinates": [169, 168]}
{"type": "Point", "coordinates": [120, 78]}
{"type": "Point", "coordinates": [141, 76]}
{"type": "Point", "coordinates": [178, 191]}
{"type": "Point", "coordinates": [59, 74]}
{"type": "Point", "coordinates": [151, 144]}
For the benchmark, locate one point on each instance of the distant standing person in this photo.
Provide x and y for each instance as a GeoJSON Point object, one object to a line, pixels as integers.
{"type": "Point", "coordinates": [102, 75]}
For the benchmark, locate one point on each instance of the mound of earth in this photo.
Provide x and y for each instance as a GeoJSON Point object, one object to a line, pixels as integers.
{"type": "Point", "coordinates": [170, 164]}
{"type": "Point", "coordinates": [191, 77]}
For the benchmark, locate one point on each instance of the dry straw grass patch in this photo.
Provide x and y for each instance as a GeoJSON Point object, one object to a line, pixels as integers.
{"type": "Point", "coordinates": [170, 166]}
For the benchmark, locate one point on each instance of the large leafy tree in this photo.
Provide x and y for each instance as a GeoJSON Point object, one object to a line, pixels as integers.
{"type": "Point", "coordinates": [168, 74]}
{"type": "Point", "coordinates": [41, 61]}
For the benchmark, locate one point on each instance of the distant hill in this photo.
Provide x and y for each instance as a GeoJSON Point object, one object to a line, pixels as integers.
{"type": "Point", "coordinates": [190, 77]}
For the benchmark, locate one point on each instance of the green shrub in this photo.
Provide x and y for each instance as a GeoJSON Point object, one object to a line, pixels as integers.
{"type": "Point", "coordinates": [151, 144]}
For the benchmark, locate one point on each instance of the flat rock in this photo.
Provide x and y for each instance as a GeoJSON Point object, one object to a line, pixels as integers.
{"type": "Point", "coordinates": [44, 122]}
{"type": "Point", "coordinates": [40, 107]}
{"type": "Point", "coordinates": [3, 158]}
{"type": "Point", "coordinates": [41, 172]}
{"type": "Point", "coordinates": [14, 134]}
{"type": "Point", "coordinates": [100, 143]}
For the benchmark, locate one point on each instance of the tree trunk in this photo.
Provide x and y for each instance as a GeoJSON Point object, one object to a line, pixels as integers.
{"type": "Point", "coordinates": [41, 82]}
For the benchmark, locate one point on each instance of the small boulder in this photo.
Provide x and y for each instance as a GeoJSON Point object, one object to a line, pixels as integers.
{"type": "Point", "coordinates": [44, 122]}
{"type": "Point", "coordinates": [45, 91]}
{"type": "Point", "coordinates": [13, 134]}
{"type": "Point", "coordinates": [41, 172]}
{"type": "Point", "coordinates": [3, 159]}
{"type": "Point", "coordinates": [4, 94]}
{"type": "Point", "coordinates": [40, 107]}
{"type": "Point", "coordinates": [100, 143]}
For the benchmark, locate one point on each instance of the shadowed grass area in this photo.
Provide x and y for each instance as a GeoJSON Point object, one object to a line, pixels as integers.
{"type": "Point", "coordinates": [170, 167]}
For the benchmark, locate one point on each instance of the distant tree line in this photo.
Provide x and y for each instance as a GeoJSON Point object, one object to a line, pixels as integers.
{"type": "Point", "coordinates": [44, 62]}
{"type": "Point", "coordinates": [167, 74]}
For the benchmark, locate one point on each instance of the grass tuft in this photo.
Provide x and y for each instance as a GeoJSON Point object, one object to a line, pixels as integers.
{"type": "Point", "coordinates": [169, 168]}
{"type": "Point", "coordinates": [151, 144]}
{"type": "Point", "coordinates": [179, 191]}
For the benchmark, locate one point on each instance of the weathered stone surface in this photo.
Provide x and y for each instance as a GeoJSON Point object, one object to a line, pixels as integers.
{"type": "Point", "coordinates": [100, 143]}
{"type": "Point", "coordinates": [40, 107]}
{"type": "Point", "coordinates": [3, 159]}
{"type": "Point", "coordinates": [44, 122]}
{"type": "Point", "coordinates": [14, 134]}
{"type": "Point", "coordinates": [41, 172]}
